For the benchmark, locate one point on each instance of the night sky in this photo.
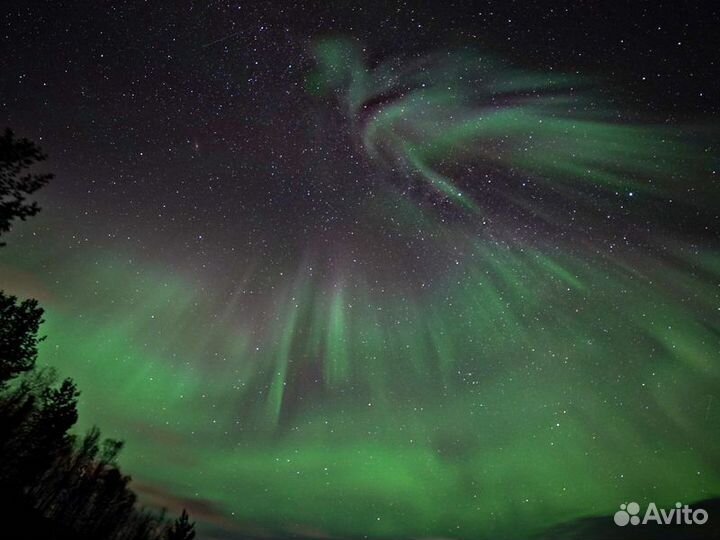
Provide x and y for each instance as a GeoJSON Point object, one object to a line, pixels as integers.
{"type": "Point", "coordinates": [373, 270]}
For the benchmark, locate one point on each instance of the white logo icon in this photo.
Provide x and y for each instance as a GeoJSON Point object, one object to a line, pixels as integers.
{"type": "Point", "coordinates": [628, 513]}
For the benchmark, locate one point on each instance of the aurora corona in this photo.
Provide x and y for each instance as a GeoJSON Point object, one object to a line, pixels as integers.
{"type": "Point", "coordinates": [428, 295]}
{"type": "Point", "coordinates": [456, 118]}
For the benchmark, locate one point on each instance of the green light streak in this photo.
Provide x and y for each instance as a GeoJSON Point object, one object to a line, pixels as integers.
{"type": "Point", "coordinates": [463, 108]}
{"type": "Point", "coordinates": [523, 390]}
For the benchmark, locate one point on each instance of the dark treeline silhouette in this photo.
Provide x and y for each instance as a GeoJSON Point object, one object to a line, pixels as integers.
{"type": "Point", "coordinates": [54, 484]}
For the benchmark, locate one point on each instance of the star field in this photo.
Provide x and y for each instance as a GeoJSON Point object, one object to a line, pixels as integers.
{"type": "Point", "coordinates": [379, 270]}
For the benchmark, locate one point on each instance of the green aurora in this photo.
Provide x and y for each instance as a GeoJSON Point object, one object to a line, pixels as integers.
{"type": "Point", "coordinates": [426, 115]}
{"type": "Point", "coordinates": [530, 384]}
{"type": "Point", "coordinates": [518, 397]}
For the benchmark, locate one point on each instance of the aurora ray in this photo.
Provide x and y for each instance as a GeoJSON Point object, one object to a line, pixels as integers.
{"type": "Point", "coordinates": [457, 119]}
{"type": "Point", "coordinates": [406, 415]}
{"type": "Point", "coordinates": [387, 292]}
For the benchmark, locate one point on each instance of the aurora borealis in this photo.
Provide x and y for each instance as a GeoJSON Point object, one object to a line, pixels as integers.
{"type": "Point", "coordinates": [343, 274]}
{"type": "Point", "coordinates": [462, 109]}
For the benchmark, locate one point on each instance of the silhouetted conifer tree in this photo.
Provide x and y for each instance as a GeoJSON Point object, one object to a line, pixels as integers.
{"type": "Point", "coordinates": [17, 181]}
{"type": "Point", "coordinates": [19, 325]}
{"type": "Point", "coordinates": [54, 486]}
{"type": "Point", "coordinates": [182, 529]}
